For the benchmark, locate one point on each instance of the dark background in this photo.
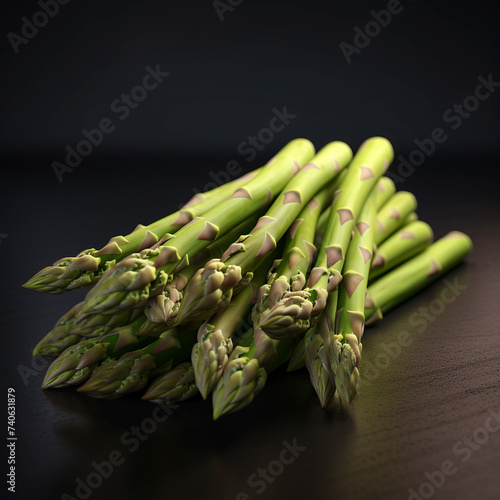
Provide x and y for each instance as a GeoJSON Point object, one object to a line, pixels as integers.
{"type": "Point", "coordinates": [225, 79]}
{"type": "Point", "coordinates": [227, 76]}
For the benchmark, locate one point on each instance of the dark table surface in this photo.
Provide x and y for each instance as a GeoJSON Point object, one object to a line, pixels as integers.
{"type": "Point", "coordinates": [420, 406]}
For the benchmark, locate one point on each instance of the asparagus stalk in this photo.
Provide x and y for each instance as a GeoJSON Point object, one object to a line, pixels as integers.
{"type": "Point", "coordinates": [385, 190]}
{"type": "Point", "coordinates": [210, 354]}
{"type": "Point", "coordinates": [154, 322]}
{"type": "Point", "coordinates": [412, 276]}
{"type": "Point", "coordinates": [177, 384]}
{"type": "Point", "coordinates": [403, 279]}
{"type": "Point", "coordinates": [242, 257]}
{"type": "Point", "coordinates": [410, 218]}
{"type": "Point", "coordinates": [130, 373]}
{"type": "Point", "coordinates": [393, 214]}
{"type": "Point", "coordinates": [316, 346]}
{"type": "Point", "coordinates": [298, 357]}
{"type": "Point", "coordinates": [86, 268]}
{"type": "Point", "coordinates": [355, 212]}
{"type": "Point", "coordinates": [60, 337]}
{"type": "Point", "coordinates": [164, 307]}
{"type": "Point", "coordinates": [290, 275]}
{"type": "Point", "coordinates": [401, 246]}
{"type": "Point", "coordinates": [394, 256]}
{"type": "Point", "coordinates": [345, 345]}
{"type": "Point", "coordinates": [73, 366]}
{"type": "Point", "coordinates": [297, 311]}
{"type": "Point", "coordinates": [136, 279]}
{"type": "Point", "coordinates": [246, 372]}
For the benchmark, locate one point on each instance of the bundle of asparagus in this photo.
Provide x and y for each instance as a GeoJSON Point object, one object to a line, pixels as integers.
{"type": "Point", "coordinates": [286, 264]}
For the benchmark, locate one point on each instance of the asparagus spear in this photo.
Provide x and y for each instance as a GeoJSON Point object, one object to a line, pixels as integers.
{"type": "Point", "coordinates": [387, 294]}
{"type": "Point", "coordinates": [130, 373]}
{"type": "Point", "coordinates": [351, 205]}
{"type": "Point", "coordinates": [210, 354]}
{"type": "Point", "coordinates": [178, 384]}
{"type": "Point", "coordinates": [297, 311]}
{"type": "Point", "coordinates": [242, 257]}
{"type": "Point", "coordinates": [290, 275]}
{"type": "Point", "coordinates": [392, 215]}
{"type": "Point", "coordinates": [104, 382]}
{"type": "Point", "coordinates": [60, 337]}
{"type": "Point", "coordinates": [385, 190]}
{"type": "Point", "coordinates": [154, 322]}
{"type": "Point", "coordinates": [86, 268]}
{"type": "Point", "coordinates": [73, 366]}
{"type": "Point", "coordinates": [298, 357]}
{"type": "Point", "coordinates": [410, 218]}
{"type": "Point", "coordinates": [246, 372]}
{"type": "Point", "coordinates": [409, 241]}
{"type": "Point", "coordinates": [164, 307]}
{"type": "Point", "coordinates": [136, 279]}
{"type": "Point", "coordinates": [417, 273]}
{"type": "Point", "coordinates": [344, 347]}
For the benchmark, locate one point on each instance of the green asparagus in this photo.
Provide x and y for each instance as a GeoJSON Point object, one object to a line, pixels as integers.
{"type": "Point", "coordinates": [136, 279]}
{"type": "Point", "coordinates": [178, 384]}
{"type": "Point", "coordinates": [409, 241]}
{"type": "Point", "coordinates": [88, 266]}
{"type": "Point", "coordinates": [409, 278]}
{"type": "Point", "coordinates": [302, 308]}
{"type": "Point", "coordinates": [344, 336]}
{"type": "Point", "coordinates": [210, 354]}
{"type": "Point", "coordinates": [171, 301]}
{"type": "Point", "coordinates": [242, 257]}
{"type": "Point", "coordinates": [393, 215]}
{"type": "Point", "coordinates": [131, 372]}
